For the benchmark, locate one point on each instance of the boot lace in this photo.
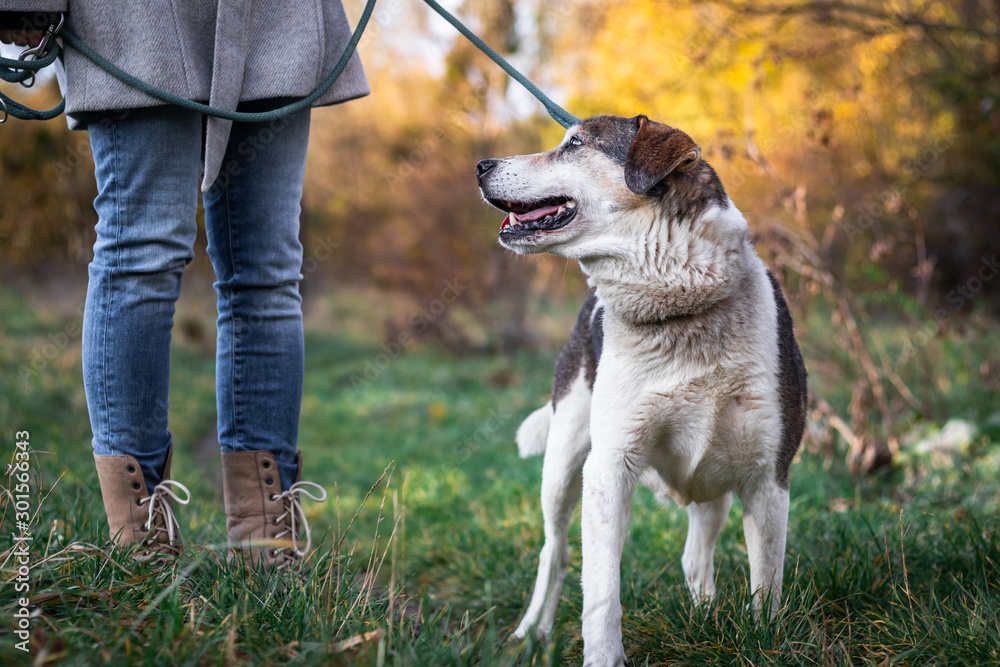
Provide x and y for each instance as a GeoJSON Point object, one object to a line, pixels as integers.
{"type": "Point", "coordinates": [164, 533]}
{"type": "Point", "coordinates": [292, 520]}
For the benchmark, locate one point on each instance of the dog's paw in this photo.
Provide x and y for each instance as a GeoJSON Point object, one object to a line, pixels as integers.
{"type": "Point", "coordinates": [523, 633]}
{"type": "Point", "coordinates": [517, 637]}
{"type": "Point", "coordinates": [605, 661]}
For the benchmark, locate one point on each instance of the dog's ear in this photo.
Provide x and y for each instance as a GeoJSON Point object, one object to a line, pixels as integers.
{"type": "Point", "coordinates": [656, 151]}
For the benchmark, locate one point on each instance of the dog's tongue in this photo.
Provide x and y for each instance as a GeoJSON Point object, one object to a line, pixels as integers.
{"type": "Point", "coordinates": [530, 216]}
{"type": "Point", "coordinates": [537, 214]}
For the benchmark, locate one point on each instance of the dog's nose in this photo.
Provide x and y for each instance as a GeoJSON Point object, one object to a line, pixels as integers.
{"type": "Point", "coordinates": [484, 167]}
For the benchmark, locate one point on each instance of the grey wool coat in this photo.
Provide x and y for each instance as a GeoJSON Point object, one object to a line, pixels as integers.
{"type": "Point", "coordinates": [218, 51]}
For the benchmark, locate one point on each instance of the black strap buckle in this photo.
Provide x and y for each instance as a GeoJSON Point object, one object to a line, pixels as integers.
{"type": "Point", "coordinates": [38, 52]}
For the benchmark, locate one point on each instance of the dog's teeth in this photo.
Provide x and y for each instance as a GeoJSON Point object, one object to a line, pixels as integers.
{"type": "Point", "coordinates": [513, 219]}
{"type": "Point", "coordinates": [561, 209]}
{"type": "Point", "coordinates": [571, 204]}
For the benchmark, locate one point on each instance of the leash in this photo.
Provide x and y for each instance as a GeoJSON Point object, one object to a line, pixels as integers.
{"type": "Point", "coordinates": [23, 69]}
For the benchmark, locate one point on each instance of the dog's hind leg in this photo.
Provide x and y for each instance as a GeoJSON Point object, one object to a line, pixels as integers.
{"type": "Point", "coordinates": [705, 522]}
{"type": "Point", "coordinates": [765, 520]}
{"type": "Point", "coordinates": [565, 452]}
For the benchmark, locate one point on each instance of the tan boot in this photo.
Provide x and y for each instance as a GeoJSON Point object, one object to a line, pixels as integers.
{"type": "Point", "coordinates": [264, 523]}
{"type": "Point", "coordinates": [136, 516]}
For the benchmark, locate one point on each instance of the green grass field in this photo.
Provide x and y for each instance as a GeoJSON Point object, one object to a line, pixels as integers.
{"type": "Point", "coordinates": [438, 565]}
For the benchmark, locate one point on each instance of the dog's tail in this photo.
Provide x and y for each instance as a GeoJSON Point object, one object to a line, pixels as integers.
{"type": "Point", "coordinates": [534, 432]}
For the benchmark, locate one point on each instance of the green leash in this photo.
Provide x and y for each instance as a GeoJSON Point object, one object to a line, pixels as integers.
{"type": "Point", "coordinates": [23, 71]}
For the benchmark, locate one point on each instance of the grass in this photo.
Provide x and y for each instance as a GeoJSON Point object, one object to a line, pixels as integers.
{"type": "Point", "coordinates": [439, 563]}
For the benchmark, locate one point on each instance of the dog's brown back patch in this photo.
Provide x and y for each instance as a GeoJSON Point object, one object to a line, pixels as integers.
{"type": "Point", "coordinates": [582, 350]}
{"type": "Point", "coordinates": [792, 388]}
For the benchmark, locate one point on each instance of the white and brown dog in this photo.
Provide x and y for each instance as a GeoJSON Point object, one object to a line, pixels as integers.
{"type": "Point", "coordinates": [682, 372]}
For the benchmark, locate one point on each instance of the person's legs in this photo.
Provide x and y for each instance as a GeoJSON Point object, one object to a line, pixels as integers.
{"type": "Point", "coordinates": [252, 222]}
{"type": "Point", "coordinates": [146, 164]}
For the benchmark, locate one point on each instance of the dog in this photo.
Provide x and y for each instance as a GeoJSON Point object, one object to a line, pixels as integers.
{"type": "Point", "coordinates": [683, 371]}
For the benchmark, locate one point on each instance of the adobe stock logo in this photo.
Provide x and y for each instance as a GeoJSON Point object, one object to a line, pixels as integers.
{"type": "Point", "coordinates": [988, 269]}
{"type": "Point", "coordinates": [419, 322]}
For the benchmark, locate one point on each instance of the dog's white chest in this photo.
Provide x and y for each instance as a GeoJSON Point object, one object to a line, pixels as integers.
{"type": "Point", "coordinates": [701, 428]}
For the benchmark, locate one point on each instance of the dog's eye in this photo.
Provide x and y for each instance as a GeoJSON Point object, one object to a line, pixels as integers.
{"type": "Point", "coordinates": [574, 142]}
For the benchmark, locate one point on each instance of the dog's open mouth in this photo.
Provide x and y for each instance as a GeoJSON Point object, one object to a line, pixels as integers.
{"type": "Point", "coordinates": [545, 215]}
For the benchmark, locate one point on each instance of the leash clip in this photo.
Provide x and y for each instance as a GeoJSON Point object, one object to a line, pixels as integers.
{"type": "Point", "coordinates": [42, 50]}
{"type": "Point", "coordinates": [3, 106]}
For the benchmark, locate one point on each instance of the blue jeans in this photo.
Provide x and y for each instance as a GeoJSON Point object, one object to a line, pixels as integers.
{"type": "Point", "coordinates": [147, 167]}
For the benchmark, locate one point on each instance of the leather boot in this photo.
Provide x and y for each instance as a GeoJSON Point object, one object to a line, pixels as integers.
{"type": "Point", "coordinates": [134, 515]}
{"type": "Point", "coordinates": [264, 523]}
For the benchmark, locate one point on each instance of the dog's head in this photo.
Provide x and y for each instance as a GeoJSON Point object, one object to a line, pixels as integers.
{"type": "Point", "coordinates": [569, 200]}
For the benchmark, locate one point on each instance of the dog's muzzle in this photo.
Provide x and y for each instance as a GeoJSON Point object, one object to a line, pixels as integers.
{"type": "Point", "coordinates": [526, 217]}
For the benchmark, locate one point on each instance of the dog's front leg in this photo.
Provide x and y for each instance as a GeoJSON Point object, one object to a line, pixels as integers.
{"type": "Point", "coordinates": [608, 482]}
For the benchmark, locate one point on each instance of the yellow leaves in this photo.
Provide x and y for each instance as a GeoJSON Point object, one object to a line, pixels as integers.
{"type": "Point", "coordinates": [813, 100]}
{"type": "Point", "coordinates": [870, 61]}
{"type": "Point", "coordinates": [437, 411]}
{"type": "Point", "coordinates": [690, 65]}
